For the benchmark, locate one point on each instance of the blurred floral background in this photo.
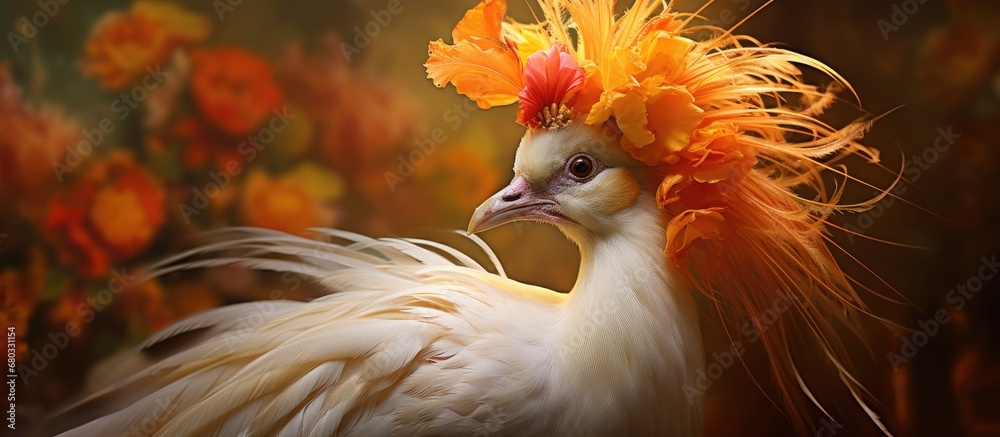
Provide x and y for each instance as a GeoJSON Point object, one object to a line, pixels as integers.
{"type": "Point", "coordinates": [128, 129]}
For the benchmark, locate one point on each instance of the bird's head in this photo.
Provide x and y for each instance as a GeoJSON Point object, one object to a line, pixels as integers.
{"type": "Point", "coordinates": [575, 177]}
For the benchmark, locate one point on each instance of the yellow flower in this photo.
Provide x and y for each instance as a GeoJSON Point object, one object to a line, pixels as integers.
{"type": "Point", "coordinates": [529, 38]}
{"type": "Point", "coordinates": [663, 54]}
{"type": "Point", "coordinates": [656, 121]}
{"type": "Point", "coordinates": [656, 116]}
{"type": "Point", "coordinates": [292, 202]}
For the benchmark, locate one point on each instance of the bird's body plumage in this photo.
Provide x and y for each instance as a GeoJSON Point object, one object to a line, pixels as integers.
{"type": "Point", "coordinates": [409, 343]}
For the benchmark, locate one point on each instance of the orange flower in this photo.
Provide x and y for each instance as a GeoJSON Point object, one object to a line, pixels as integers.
{"type": "Point", "coordinates": [112, 212]}
{"type": "Point", "coordinates": [482, 63]}
{"type": "Point", "coordinates": [32, 141]}
{"type": "Point", "coordinates": [716, 154]}
{"type": "Point", "coordinates": [691, 226]}
{"type": "Point", "coordinates": [234, 89]}
{"type": "Point", "coordinates": [696, 187]}
{"type": "Point", "coordinates": [293, 202]}
{"type": "Point", "coordinates": [636, 79]}
{"type": "Point", "coordinates": [124, 44]}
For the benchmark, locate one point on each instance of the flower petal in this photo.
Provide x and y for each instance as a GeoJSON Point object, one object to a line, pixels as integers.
{"type": "Point", "coordinates": [664, 54]}
{"type": "Point", "coordinates": [483, 22]}
{"type": "Point", "coordinates": [550, 77]}
{"type": "Point", "coordinates": [669, 190]}
{"type": "Point", "coordinates": [690, 226]}
{"type": "Point", "coordinates": [530, 38]}
{"type": "Point", "coordinates": [630, 113]}
{"type": "Point", "coordinates": [491, 77]}
{"type": "Point", "coordinates": [673, 117]}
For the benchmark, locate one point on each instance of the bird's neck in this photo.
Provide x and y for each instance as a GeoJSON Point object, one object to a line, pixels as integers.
{"type": "Point", "coordinates": [627, 271]}
{"type": "Point", "coordinates": [625, 277]}
{"type": "Point", "coordinates": [629, 316]}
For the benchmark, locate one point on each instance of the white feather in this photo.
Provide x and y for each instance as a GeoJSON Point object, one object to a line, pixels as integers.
{"type": "Point", "coordinates": [418, 343]}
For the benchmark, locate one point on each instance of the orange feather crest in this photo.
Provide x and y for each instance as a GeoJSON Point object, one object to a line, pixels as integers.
{"type": "Point", "coordinates": [715, 118]}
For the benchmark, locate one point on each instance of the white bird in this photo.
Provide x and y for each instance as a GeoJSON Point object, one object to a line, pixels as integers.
{"type": "Point", "coordinates": [416, 338]}
{"type": "Point", "coordinates": [410, 343]}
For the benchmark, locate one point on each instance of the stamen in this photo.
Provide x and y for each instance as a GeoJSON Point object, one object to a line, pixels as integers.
{"type": "Point", "coordinates": [555, 116]}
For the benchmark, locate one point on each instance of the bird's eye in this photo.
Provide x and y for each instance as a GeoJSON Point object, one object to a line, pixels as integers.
{"type": "Point", "coordinates": [581, 167]}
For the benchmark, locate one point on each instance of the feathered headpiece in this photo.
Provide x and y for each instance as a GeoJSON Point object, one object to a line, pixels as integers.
{"type": "Point", "coordinates": [728, 122]}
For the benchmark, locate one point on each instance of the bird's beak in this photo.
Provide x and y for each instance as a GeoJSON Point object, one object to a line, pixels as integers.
{"type": "Point", "coordinates": [516, 202]}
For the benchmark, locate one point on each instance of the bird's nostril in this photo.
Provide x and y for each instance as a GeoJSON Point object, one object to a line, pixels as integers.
{"type": "Point", "coordinates": [510, 197]}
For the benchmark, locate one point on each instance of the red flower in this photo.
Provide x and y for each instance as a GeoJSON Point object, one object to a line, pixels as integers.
{"type": "Point", "coordinates": [204, 145]}
{"type": "Point", "coordinates": [112, 212]}
{"type": "Point", "coordinates": [234, 89]}
{"type": "Point", "coordinates": [358, 124]}
{"type": "Point", "coordinates": [32, 140]}
{"type": "Point", "coordinates": [551, 77]}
